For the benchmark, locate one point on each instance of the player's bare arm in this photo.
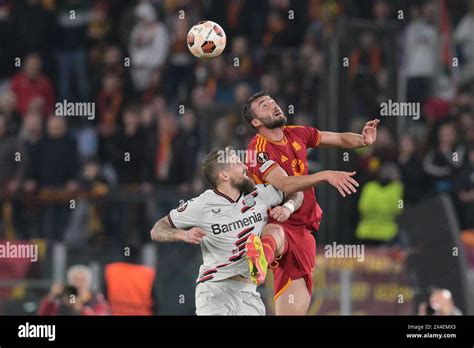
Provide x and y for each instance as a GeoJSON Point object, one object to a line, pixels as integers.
{"type": "Point", "coordinates": [342, 181]}
{"type": "Point", "coordinates": [292, 203]}
{"type": "Point", "coordinates": [351, 140]}
{"type": "Point", "coordinates": [162, 231]}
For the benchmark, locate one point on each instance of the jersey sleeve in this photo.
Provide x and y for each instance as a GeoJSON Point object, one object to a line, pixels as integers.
{"type": "Point", "coordinates": [187, 215]}
{"type": "Point", "coordinates": [311, 136]}
{"type": "Point", "coordinates": [271, 195]}
{"type": "Point", "coordinates": [260, 161]}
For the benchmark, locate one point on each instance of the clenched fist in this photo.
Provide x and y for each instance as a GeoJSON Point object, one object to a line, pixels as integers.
{"type": "Point", "coordinates": [280, 213]}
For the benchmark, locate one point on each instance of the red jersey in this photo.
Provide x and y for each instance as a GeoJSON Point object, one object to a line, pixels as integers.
{"type": "Point", "coordinates": [290, 155]}
{"type": "Point", "coordinates": [26, 90]}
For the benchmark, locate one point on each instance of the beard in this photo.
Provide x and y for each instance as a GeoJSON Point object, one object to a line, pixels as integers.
{"type": "Point", "coordinates": [244, 185]}
{"type": "Point", "coordinates": [275, 123]}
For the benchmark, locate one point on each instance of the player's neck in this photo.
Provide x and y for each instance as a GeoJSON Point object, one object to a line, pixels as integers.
{"type": "Point", "coordinates": [229, 191]}
{"type": "Point", "coordinates": [275, 134]}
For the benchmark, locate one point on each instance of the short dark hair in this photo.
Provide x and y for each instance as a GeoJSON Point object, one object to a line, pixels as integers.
{"type": "Point", "coordinates": [247, 113]}
{"type": "Point", "coordinates": [212, 164]}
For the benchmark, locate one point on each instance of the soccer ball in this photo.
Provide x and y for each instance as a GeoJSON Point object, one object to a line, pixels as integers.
{"type": "Point", "coordinates": [206, 39]}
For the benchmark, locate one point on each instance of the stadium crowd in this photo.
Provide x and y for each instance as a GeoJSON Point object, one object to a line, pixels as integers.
{"type": "Point", "coordinates": [158, 109]}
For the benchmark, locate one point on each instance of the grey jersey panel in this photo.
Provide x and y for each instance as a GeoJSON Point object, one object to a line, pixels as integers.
{"type": "Point", "coordinates": [228, 225]}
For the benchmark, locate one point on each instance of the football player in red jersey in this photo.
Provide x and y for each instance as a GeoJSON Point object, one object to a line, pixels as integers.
{"type": "Point", "coordinates": [289, 247]}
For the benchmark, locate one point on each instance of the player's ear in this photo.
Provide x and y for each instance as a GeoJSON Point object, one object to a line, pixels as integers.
{"type": "Point", "coordinates": [223, 175]}
{"type": "Point", "coordinates": [256, 123]}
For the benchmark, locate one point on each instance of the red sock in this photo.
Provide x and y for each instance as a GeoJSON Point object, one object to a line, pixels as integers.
{"type": "Point", "coordinates": [269, 247]}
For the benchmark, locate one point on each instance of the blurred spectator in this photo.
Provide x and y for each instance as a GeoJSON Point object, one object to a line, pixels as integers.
{"type": "Point", "coordinates": [465, 124]}
{"type": "Point", "coordinates": [463, 36]}
{"type": "Point", "coordinates": [134, 174]}
{"type": "Point", "coordinates": [148, 46]}
{"type": "Point", "coordinates": [12, 161]}
{"type": "Point", "coordinates": [442, 161]}
{"type": "Point", "coordinates": [410, 162]}
{"type": "Point", "coordinates": [8, 109]}
{"type": "Point", "coordinates": [110, 100]}
{"type": "Point", "coordinates": [8, 44]}
{"type": "Point", "coordinates": [381, 11]}
{"type": "Point", "coordinates": [130, 286]}
{"type": "Point", "coordinates": [366, 60]}
{"type": "Point", "coordinates": [86, 222]}
{"type": "Point", "coordinates": [74, 298]}
{"type": "Point", "coordinates": [270, 84]}
{"type": "Point", "coordinates": [240, 49]}
{"type": "Point", "coordinates": [56, 163]}
{"type": "Point", "coordinates": [71, 54]}
{"type": "Point", "coordinates": [99, 25]}
{"type": "Point", "coordinates": [129, 155]}
{"type": "Point", "coordinates": [32, 87]}
{"type": "Point", "coordinates": [277, 32]}
{"type": "Point", "coordinates": [31, 134]}
{"type": "Point", "coordinates": [55, 167]}
{"type": "Point", "coordinates": [464, 185]}
{"type": "Point", "coordinates": [200, 98]}
{"type": "Point", "coordinates": [440, 302]}
{"type": "Point", "coordinates": [217, 84]}
{"type": "Point", "coordinates": [242, 93]}
{"type": "Point", "coordinates": [463, 100]}
{"type": "Point", "coordinates": [224, 133]}
{"type": "Point", "coordinates": [310, 82]}
{"type": "Point", "coordinates": [241, 18]}
{"type": "Point", "coordinates": [155, 87]}
{"type": "Point", "coordinates": [110, 61]}
{"type": "Point", "coordinates": [421, 52]}
{"type": "Point", "coordinates": [379, 205]}
{"type": "Point", "coordinates": [167, 130]}
{"type": "Point", "coordinates": [384, 150]}
{"type": "Point", "coordinates": [180, 72]}
{"type": "Point", "coordinates": [34, 28]}
{"type": "Point", "coordinates": [184, 153]}
{"type": "Point", "coordinates": [148, 121]}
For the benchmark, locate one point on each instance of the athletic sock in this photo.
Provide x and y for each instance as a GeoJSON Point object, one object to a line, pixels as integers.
{"type": "Point", "coordinates": [269, 248]}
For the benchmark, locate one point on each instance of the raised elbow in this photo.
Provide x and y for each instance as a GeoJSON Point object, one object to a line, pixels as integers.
{"type": "Point", "coordinates": [153, 235]}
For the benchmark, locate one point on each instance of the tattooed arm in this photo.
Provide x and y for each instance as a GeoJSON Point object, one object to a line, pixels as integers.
{"type": "Point", "coordinates": [163, 231]}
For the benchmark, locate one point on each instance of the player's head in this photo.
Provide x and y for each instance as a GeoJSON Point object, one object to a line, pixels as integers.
{"type": "Point", "coordinates": [262, 111]}
{"type": "Point", "coordinates": [223, 167]}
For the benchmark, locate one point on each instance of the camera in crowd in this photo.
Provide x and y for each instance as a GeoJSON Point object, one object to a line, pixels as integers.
{"type": "Point", "coordinates": [438, 301]}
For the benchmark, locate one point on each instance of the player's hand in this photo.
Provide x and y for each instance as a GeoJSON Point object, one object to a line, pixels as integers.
{"type": "Point", "coordinates": [343, 181]}
{"type": "Point", "coordinates": [192, 236]}
{"type": "Point", "coordinates": [280, 213]}
{"type": "Point", "coordinates": [369, 132]}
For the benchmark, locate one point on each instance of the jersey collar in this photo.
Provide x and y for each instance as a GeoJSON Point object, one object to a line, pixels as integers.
{"type": "Point", "coordinates": [217, 192]}
{"type": "Point", "coordinates": [281, 142]}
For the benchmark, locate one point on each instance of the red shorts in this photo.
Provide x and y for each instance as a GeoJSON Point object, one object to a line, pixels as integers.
{"type": "Point", "coordinates": [298, 261]}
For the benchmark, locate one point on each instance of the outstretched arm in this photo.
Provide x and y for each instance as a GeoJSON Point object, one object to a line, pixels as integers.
{"type": "Point", "coordinates": [343, 181]}
{"type": "Point", "coordinates": [351, 140]}
{"type": "Point", "coordinates": [164, 232]}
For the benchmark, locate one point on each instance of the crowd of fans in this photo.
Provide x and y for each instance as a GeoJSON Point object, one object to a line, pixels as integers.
{"type": "Point", "coordinates": [158, 109]}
